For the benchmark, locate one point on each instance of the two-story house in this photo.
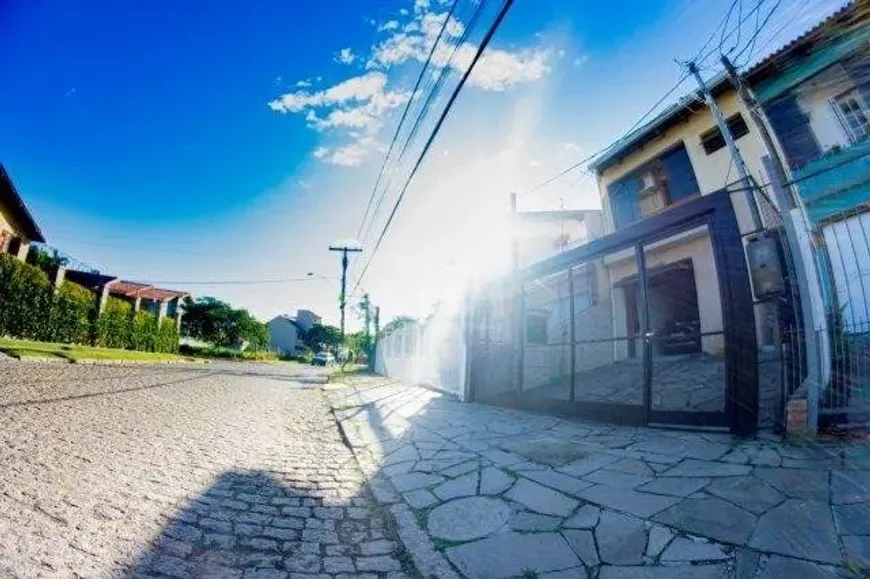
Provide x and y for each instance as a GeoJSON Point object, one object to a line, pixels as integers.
{"type": "Point", "coordinates": [286, 333]}
{"type": "Point", "coordinates": [18, 229]}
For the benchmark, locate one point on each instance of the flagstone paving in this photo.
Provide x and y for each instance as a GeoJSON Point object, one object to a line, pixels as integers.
{"type": "Point", "coordinates": [498, 493]}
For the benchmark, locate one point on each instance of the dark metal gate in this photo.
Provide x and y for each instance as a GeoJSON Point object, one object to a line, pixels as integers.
{"type": "Point", "coordinates": [653, 324]}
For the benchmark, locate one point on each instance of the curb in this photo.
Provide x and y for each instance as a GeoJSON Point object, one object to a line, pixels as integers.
{"type": "Point", "coordinates": [428, 561]}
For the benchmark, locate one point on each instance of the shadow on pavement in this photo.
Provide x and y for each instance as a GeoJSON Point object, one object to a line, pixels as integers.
{"type": "Point", "coordinates": [263, 524]}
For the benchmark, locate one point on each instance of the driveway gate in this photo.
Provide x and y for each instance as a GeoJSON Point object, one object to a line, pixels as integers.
{"type": "Point", "coordinates": [653, 324]}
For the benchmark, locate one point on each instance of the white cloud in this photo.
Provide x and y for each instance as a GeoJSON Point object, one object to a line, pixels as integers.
{"type": "Point", "coordinates": [534, 163]}
{"type": "Point", "coordinates": [345, 56]}
{"type": "Point", "coordinates": [352, 112]}
{"type": "Point", "coordinates": [572, 146]}
{"type": "Point", "coordinates": [352, 154]}
{"type": "Point", "coordinates": [497, 70]}
{"type": "Point", "coordinates": [356, 89]}
{"type": "Point", "coordinates": [581, 60]}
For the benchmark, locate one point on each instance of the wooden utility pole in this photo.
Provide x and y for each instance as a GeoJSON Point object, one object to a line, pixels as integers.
{"type": "Point", "coordinates": [342, 298]}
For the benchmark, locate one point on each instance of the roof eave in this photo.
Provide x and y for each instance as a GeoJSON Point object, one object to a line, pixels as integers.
{"type": "Point", "coordinates": [21, 213]}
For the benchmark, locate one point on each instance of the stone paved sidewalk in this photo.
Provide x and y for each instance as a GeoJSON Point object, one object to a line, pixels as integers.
{"type": "Point", "coordinates": [486, 492]}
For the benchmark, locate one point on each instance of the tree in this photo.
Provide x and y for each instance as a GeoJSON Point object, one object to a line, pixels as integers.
{"type": "Point", "coordinates": [364, 311]}
{"type": "Point", "coordinates": [46, 259]}
{"type": "Point", "coordinates": [398, 323]}
{"type": "Point", "coordinates": [359, 342]}
{"type": "Point", "coordinates": [323, 336]}
{"type": "Point", "coordinates": [212, 320]}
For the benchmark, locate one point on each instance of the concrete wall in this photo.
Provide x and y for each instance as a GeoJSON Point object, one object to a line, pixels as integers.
{"type": "Point", "coordinates": [430, 353]}
{"type": "Point", "coordinates": [284, 336]}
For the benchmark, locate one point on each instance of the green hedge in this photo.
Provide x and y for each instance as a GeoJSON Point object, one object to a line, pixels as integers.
{"type": "Point", "coordinates": [73, 314]}
{"type": "Point", "coordinates": [167, 337]}
{"type": "Point", "coordinates": [25, 300]}
{"type": "Point", "coordinates": [30, 309]}
{"type": "Point", "coordinates": [113, 326]}
{"type": "Point", "coordinates": [143, 331]}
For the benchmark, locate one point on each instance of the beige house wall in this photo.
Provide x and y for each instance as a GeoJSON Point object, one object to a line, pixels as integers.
{"type": "Point", "coordinates": [711, 171]}
{"type": "Point", "coordinates": [7, 222]}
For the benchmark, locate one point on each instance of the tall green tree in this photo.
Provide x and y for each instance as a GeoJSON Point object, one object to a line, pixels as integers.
{"type": "Point", "coordinates": [323, 336]}
{"type": "Point", "coordinates": [212, 320]}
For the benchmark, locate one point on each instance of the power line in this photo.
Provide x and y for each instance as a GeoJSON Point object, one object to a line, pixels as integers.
{"type": "Point", "coordinates": [480, 49]}
{"type": "Point", "coordinates": [405, 114]}
{"type": "Point", "coordinates": [698, 60]}
{"type": "Point", "coordinates": [758, 29]}
{"type": "Point", "coordinates": [436, 89]}
{"type": "Point", "coordinates": [588, 158]}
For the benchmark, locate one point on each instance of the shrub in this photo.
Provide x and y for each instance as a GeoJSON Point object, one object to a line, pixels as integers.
{"type": "Point", "coordinates": [167, 337]}
{"type": "Point", "coordinates": [143, 331]}
{"type": "Point", "coordinates": [25, 300]}
{"type": "Point", "coordinates": [73, 314]}
{"type": "Point", "coordinates": [113, 326]}
{"type": "Point", "coordinates": [227, 353]}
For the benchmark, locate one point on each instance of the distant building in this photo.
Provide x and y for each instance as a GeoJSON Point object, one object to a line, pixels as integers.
{"type": "Point", "coordinates": [286, 331]}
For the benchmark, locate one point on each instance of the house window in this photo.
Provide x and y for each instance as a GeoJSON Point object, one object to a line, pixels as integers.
{"type": "Point", "coordinates": [653, 187]}
{"type": "Point", "coordinates": [536, 326]}
{"type": "Point", "coordinates": [854, 114]}
{"type": "Point", "coordinates": [713, 140]}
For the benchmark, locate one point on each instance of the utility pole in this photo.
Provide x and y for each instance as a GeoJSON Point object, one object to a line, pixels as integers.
{"type": "Point", "coordinates": [736, 159]}
{"type": "Point", "coordinates": [344, 249]}
{"type": "Point", "coordinates": [785, 202]}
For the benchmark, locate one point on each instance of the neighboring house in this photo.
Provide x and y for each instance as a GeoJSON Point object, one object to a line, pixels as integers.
{"type": "Point", "coordinates": [542, 234]}
{"type": "Point", "coordinates": [162, 303]}
{"type": "Point", "coordinates": [286, 332]}
{"type": "Point", "coordinates": [18, 229]}
{"type": "Point", "coordinates": [815, 93]}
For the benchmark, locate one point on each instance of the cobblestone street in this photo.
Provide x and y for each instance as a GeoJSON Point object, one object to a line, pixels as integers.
{"type": "Point", "coordinates": [216, 470]}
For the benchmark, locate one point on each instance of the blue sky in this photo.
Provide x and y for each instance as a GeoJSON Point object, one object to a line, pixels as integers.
{"type": "Point", "coordinates": [188, 142]}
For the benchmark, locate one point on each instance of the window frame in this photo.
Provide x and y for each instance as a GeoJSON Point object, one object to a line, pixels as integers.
{"type": "Point", "coordinates": [863, 109]}
{"type": "Point", "coordinates": [539, 316]}
{"type": "Point", "coordinates": [736, 126]}
{"type": "Point", "coordinates": [629, 188]}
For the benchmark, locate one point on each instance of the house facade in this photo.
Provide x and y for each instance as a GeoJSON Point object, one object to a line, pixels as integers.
{"type": "Point", "coordinates": [286, 332]}
{"type": "Point", "coordinates": [18, 229]}
{"type": "Point", "coordinates": [815, 93]}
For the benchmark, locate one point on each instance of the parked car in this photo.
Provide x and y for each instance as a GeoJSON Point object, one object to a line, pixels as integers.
{"type": "Point", "coordinates": [323, 358]}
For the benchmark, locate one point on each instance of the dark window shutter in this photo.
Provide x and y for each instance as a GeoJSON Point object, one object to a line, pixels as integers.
{"type": "Point", "coordinates": [680, 175]}
{"type": "Point", "coordinates": [623, 201]}
{"type": "Point", "coordinates": [792, 128]}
